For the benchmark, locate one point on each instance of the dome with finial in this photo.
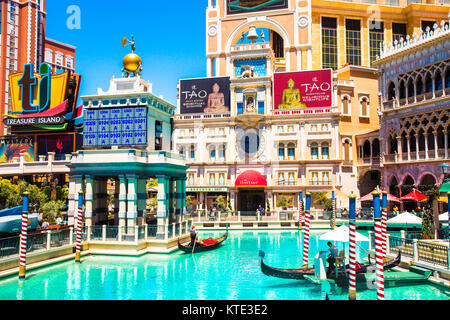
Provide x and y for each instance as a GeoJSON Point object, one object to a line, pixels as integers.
{"type": "Point", "coordinates": [132, 63]}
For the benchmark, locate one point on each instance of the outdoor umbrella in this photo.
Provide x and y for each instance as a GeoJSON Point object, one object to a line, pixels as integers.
{"type": "Point", "coordinates": [406, 219]}
{"type": "Point", "coordinates": [414, 196]}
{"type": "Point", "coordinates": [341, 234]}
{"type": "Point", "coordinates": [443, 217]}
{"type": "Point", "coordinates": [369, 197]}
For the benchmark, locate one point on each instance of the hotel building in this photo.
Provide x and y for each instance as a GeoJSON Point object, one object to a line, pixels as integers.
{"type": "Point", "coordinates": [23, 42]}
{"type": "Point", "coordinates": [415, 121]}
{"type": "Point", "coordinates": [253, 156]}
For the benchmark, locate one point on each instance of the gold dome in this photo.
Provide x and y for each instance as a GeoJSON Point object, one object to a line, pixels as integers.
{"type": "Point", "coordinates": [132, 62]}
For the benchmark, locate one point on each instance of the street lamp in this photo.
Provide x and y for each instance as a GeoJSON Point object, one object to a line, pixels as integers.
{"type": "Point", "coordinates": [444, 169]}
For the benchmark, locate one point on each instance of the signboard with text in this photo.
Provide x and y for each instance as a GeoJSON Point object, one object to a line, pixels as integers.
{"type": "Point", "coordinates": [304, 89]}
{"type": "Point", "coordinates": [115, 127]}
{"type": "Point", "coordinates": [246, 6]}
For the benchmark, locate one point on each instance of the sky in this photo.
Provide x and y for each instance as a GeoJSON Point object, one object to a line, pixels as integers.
{"type": "Point", "coordinates": [169, 36]}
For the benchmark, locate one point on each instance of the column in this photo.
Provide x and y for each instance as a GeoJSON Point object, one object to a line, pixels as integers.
{"type": "Point", "coordinates": [417, 146]}
{"type": "Point", "coordinates": [233, 200]}
{"type": "Point", "coordinates": [142, 201]}
{"type": "Point", "coordinates": [409, 147]}
{"type": "Point", "coordinates": [425, 135]}
{"type": "Point", "coordinates": [73, 180]}
{"type": "Point", "coordinates": [171, 201]}
{"type": "Point", "coordinates": [180, 198]}
{"type": "Point", "coordinates": [446, 144]}
{"type": "Point", "coordinates": [436, 146]}
{"type": "Point", "coordinates": [163, 201]}
{"type": "Point", "coordinates": [116, 201]}
{"type": "Point", "coordinates": [101, 204]}
{"type": "Point", "coordinates": [399, 149]}
{"type": "Point", "coordinates": [89, 200]}
{"type": "Point", "coordinates": [132, 199]}
{"type": "Point", "coordinates": [123, 201]}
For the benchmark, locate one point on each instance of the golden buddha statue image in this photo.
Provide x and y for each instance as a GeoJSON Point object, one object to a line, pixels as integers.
{"type": "Point", "coordinates": [291, 98]}
{"type": "Point", "coordinates": [216, 101]}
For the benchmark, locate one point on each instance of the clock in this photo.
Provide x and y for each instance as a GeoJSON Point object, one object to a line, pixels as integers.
{"type": "Point", "coordinates": [250, 143]}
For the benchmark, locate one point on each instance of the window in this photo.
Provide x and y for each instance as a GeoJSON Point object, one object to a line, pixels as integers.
{"type": "Point", "coordinates": [281, 178]}
{"type": "Point", "coordinates": [212, 179]}
{"type": "Point", "coordinates": [291, 151]}
{"type": "Point", "coordinates": [325, 127]}
{"type": "Point", "coordinates": [59, 59]}
{"type": "Point", "coordinates": [221, 131]}
{"type": "Point", "coordinates": [291, 129]}
{"type": "Point", "coordinates": [376, 35]}
{"type": "Point", "coordinates": [314, 128]}
{"type": "Point", "coordinates": [326, 178]}
{"type": "Point", "coordinates": [314, 178]}
{"type": "Point", "coordinates": [182, 151]}
{"type": "Point", "coordinates": [49, 56]}
{"type": "Point", "coordinates": [281, 152]}
{"type": "Point", "coordinates": [291, 178]}
{"type": "Point", "coordinates": [365, 107]}
{"type": "Point", "coordinates": [347, 151]}
{"type": "Point", "coordinates": [192, 152]}
{"type": "Point", "coordinates": [212, 153]}
{"type": "Point", "coordinates": [426, 24]}
{"type": "Point", "coordinates": [353, 41]}
{"type": "Point", "coordinates": [69, 62]}
{"type": "Point", "coordinates": [398, 31]}
{"type": "Point", "coordinates": [280, 129]}
{"type": "Point", "coordinates": [329, 43]}
{"type": "Point", "coordinates": [222, 152]}
{"type": "Point", "coordinates": [191, 132]}
{"type": "Point", "coordinates": [314, 151]}
{"type": "Point", "coordinates": [345, 105]}
{"type": "Point", "coordinates": [221, 179]}
{"type": "Point", "coordinates": [191, 179]}
{"type": "Point", "coordinates": [325, 151]}
{"type": "Point", "coordinates": [158, 135]}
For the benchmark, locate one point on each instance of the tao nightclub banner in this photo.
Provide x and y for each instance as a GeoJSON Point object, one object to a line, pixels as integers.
{"type": "Point", "coordinates": [208, 95]}
{"type": "Point", "coordinates": [304, 89]}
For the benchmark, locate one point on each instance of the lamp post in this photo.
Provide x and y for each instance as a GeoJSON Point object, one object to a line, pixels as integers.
{"type": "Point", "coordinates": [444, 168]}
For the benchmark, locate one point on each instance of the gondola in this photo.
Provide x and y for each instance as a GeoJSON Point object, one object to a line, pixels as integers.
{"type": "Point", "coordinates": [201, 248]}
{"type": "Point", "coordinates": [297, 274]}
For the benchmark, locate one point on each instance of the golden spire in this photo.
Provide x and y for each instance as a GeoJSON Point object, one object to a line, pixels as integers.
{"type": "Point", "coordinates": [132, 63]}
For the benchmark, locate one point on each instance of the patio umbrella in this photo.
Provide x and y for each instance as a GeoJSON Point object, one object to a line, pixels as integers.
{"type": "Point", "coordinates": [443, 217]}
{"type": "Point", "coordinates": [369, 197]}
{"type": "Point", "coordinates": [405, 219]}
{"type": "Point", "coordinates": [443, 199]}
{"type": "Point", "coordinates": [414, 196]}
{"type": "Point", "coordinates": [341, 234]}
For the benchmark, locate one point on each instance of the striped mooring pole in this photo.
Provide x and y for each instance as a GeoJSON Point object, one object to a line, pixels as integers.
{"type": "Point", "coordinates": [378, 246]}
{"type": "Point", "coordinates": [352, 247]}
{"type": "Point", "coordinates": [300, 211]}
{"type": "Point", "coordinates": [24, 238]}
{"type": "Point", "coordinates": [307, 228]}
{"type": "Point", "coordinates": [79, 226]}
{"type": "Point", "coordinates": [384, 204]}
{"type": "Point", "coordinates": [334, 209]}
{"type": "Point", "coordinates": [448, 222]}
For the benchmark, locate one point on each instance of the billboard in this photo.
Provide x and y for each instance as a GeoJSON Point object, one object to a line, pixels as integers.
{"type": "Point", "coordinates": [115, 127]}
{"type": "Point", "coordinates": [304, 89]}
{"type": "Point", "coordinates": [246, 6]}
{"type": "Point", "coordinates": [42, 100]}
{"type": "Point", "coordinates": [11, 147]}
{"type": "Point", "coordinates": [207, 95]}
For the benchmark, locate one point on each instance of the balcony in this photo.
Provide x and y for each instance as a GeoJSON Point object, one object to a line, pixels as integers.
{"type": "Point", "coordinates": [319, 183]}
{"type": "Point", "coordinates": [420, 98]}
{"type": "Point", "coordinates": [414, 156]}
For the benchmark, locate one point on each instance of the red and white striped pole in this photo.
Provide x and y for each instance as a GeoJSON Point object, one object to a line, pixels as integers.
{"type": "Point", "coordinates": [79, 226]}
{"type": "Point", "coordinates": [384, 222]}
{"type": "Point", "coordinates": [334, 209]}
{"type": "Point", "coordinates": [378, 245]}
{"type": "Point", "coordinates": [352, 247]}
{"type": "Point", "coordinates": [300, 211]}
{"type": "Point", "coordinates": [24, 238]}
{"type": "Point", "coordinates": [307, 229]}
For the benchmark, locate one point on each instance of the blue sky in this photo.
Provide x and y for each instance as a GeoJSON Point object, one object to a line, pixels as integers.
{"type": "Point", "coordinates": [169, 35]}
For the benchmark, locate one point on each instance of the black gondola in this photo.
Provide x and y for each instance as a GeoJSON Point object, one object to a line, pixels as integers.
{"type": "Point", "coordinates": [201, 248]}
{"type": "Point", "coordinates": [300, 273]}
{"type": "Point", "coordinates": [297, 274]}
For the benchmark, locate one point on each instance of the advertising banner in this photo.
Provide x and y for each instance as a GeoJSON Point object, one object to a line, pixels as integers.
{"type": "Point", "coordinates": [245, 6]}
{"type": "Point", "coordinates": [208, 95]}
{"type": "Point", "coordinates": [304, 89]}
{"type": "Point", "coordinates": [12, 147]}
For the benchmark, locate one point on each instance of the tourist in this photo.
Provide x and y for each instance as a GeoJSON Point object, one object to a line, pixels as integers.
{"type": "Point", "coordinates": [331, 259]}
{"type": "Point", "coordinates": [59, 221]}
{"type": "Point", "coordinates": [260, 210]}
{"type": "Point", "coordinates": [44, 225]}
{"type": "Point", "coordinates": [193, 235]}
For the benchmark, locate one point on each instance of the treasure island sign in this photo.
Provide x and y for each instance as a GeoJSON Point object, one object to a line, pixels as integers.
{"type": "Point", "coordinates": [245, 6]}
{"type": "Point", "coordinates": [42, 101]}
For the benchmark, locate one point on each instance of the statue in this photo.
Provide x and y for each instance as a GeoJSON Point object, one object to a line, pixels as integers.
{"type": "Point", "coordinates": [216, 101]}
{"type": "Point", "coordinates": [291, 98]}
{"type": "Point", "coordinates": [132, 63]}
{"type": "Point", "coordinates": [249, 72]}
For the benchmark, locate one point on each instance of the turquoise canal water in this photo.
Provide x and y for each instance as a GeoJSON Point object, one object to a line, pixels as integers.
{"type": "Point", "coordinates": [229, 273]}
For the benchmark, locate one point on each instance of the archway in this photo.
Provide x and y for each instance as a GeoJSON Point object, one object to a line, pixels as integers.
{"type": "Point", "coordinates": [393, 187]}
{"type": "Point", "coordinates": [427, 182]}
{"type": "Point", "coordinates": [368, 181]}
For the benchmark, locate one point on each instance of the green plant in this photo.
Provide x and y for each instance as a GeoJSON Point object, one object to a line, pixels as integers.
{"type": "Point", "coordinates": [268, 205]}
{"type": "Point", "coordinates": [230, 207]}
{"type": "Point", "coordinates": [428, 214]}
{"type": "Point", "coordinates": [221, 201]}
{"type": "Point", "coordinates": [51, 210]}
{"type": "Point", "coordinates": [321, 199]}
{"type": "Point", "coordinates": [282, 202]}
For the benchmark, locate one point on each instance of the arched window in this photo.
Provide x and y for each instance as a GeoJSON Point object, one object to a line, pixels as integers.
{"type": "Point", "coordinates": [441, 137]}
{"type": "Point", "coordinates": [412, 141]}
{"type": "Point", "coordinates": [430, 139]}
{"type": "Point", "coordinates": [376, 148]}
{"type": "Point", "coordinates": [365, 107]}
{"type": "Point", "coordinates": [438, 81]}
{"type": "Point", "coordinates": [410, 88]}
{"type": "Point", "coordinates": [314, 151]}
{"type": "Point", "coordinates": [281, 151]}
{"type": "Point", "coordinates": [222, 152]}
{"type": "Point", "coordinates": [325, 151]}
{"type": "Point", "coordinates": [192, 152]}
{"type": "Point", "coordinates": [212, 153]}
{"type": "Point", "coordinates": [222, 179]}
{"type": "Point", "coordinates": [347, 151]}
{"type": "Point", "coordinates": [421, 140]}
{"type": "Point", "coordinates": [191, 179]}
{"type": "Point", "coordinates": [281, 178]}
{"type": "Point", "coordinates": [291, 178]}
{"type": "Point", "coordinates": [182, 151]}
{"type": "Point", "coordinates": [447, 78]}
{"type": "Point", "coordinates": [212, 179]}
{"type": "Point", "coordinates": [393, 145]}
{"type": "Point", "coordinates": [402, 89]}
{"type": "Point", "coordinates": [419, 85]}
{"type": "Point", "coordinates": [326, 178]}
{"type": "Point", "coordinates": [391, 91]}
{"type": "Point", "coordinates": [315, 178]}
{"type": "Point", "coordinates": [367, 150]}
{"type": "Point", "coordinates": [428, 83]}
{"type": "Point", "coordinates": [345, 105]}
{"type": "Point", "coordinates": [291, 151]}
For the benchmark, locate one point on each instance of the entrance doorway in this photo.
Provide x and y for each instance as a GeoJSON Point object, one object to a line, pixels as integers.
{"type": "Point", "coordinates": [249, 200]}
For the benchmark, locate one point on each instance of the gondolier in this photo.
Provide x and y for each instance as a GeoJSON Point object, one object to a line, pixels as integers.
{"type": "Point", "coordinates": [331, 257]}
{"type": "Point", "coordinates": [193, 236]}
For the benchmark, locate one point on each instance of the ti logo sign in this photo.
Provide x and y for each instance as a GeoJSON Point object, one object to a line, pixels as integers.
{"type": "Point", "coordinates": [28, 82]}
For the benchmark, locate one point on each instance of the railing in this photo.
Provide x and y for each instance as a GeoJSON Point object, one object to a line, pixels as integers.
{"type": "Point", "coordinates": [406, 246]}
{"type": "Point", "coordinates": [433, 253]}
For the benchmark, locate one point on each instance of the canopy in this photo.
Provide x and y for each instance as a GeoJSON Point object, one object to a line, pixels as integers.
{"type": "Point", "coordinates": [414, 196]}
{"type": "Point", "coordinates": [337, 193]}
{"type": "Point", "coordinates": [341, 234]}
{"type": "Point", "coordinates": [443, 217]}
{"type": "Point", "coordinates": [445, 187]}
{"type": "Point", "coordinates": [251, 178]}
{"type": "Point", "coordinates": [405, 218]}
{"type": "Point", "coordinates": [443, 199]}
{"type": "Point", "coordinates": [369, 197]}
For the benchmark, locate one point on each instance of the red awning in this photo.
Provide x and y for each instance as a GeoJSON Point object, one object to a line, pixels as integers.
{"type": "Point", "coordinates": [414, 196]}
{"type": "Point", "coordinates": [251, 178]}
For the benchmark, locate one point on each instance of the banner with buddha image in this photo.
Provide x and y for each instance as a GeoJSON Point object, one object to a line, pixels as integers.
{"type": "Point", "coordinates": [302, 90]}
{"type": "Point", "coordinates": [206, 95]}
